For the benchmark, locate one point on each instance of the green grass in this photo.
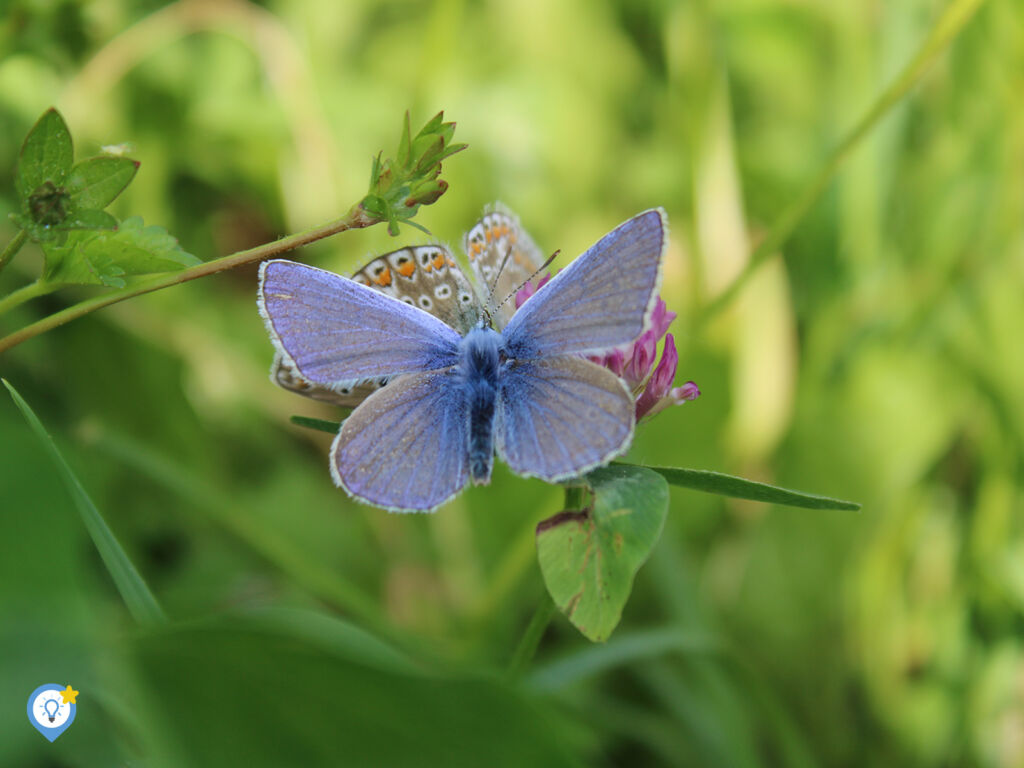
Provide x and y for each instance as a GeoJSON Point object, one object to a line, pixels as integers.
{"type": "Point", "coordinates": [867, 156]}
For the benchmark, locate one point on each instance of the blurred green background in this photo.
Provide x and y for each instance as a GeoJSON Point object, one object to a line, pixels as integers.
{"type": "Point", "coordinates": [880, 359]}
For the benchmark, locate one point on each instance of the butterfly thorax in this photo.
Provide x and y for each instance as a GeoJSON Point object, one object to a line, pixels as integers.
{"type": "Point", "coordinates": [480, 357]}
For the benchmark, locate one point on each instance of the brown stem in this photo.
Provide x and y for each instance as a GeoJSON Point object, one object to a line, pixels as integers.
{"type": "Point", "coordinates": [356, 218]}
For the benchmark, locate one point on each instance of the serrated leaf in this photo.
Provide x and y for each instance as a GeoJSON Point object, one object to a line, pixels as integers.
{"type": "Point", "coordinates": [588, 559]}
{"type": "Point", "coordinates": [104, 258]}
{"type": "Point", "coordinates": [740, 488]}
{"type": "Point", "coordinates": [46, 154]}
{"type": "Point", "coordinates": [96, 182]}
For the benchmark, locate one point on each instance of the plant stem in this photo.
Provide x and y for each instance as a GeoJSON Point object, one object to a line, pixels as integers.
{"type": "Point", "coordinates": [573, 497]}
{"type": "Point", "coordinates": [535, 630]}
{"type": "Point", "coordinates": [26, 292]}
{"type": "Point", "coordinates": [545, 611]}
{"type": "Point", "coordinates": [13, 247]}
{"type": "Point", "coordinates": [949, 24]}
{"type": "Point", "coordinates": [356, 218]}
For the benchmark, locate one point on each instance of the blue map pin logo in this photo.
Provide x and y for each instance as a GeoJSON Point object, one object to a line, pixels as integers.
{"type": "Point", "coordinates": [51, 709]}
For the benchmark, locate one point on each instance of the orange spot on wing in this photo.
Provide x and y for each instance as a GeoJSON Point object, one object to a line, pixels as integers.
{"type": "Point", "coordinates": [438, 260]}
{"type": "Point", "coordinates": [384, 278]}
{"type": "Point", "coordinates": [407, 269]}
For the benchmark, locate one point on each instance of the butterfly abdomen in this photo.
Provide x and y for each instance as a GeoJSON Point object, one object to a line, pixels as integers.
{"type": "Point", "coordinates": [480, 357]}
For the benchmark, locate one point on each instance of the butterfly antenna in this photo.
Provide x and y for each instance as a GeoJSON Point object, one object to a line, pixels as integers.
{"type": "Point", "coordinates": [501, 268]}
{"type": "Point", "coordinates": [541, 268]}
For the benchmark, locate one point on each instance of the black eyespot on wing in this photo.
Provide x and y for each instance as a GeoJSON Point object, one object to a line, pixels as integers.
{"type": "Point", "coordinates": [443, 291]}
{"type": "Point", "coordinates": [426, 302]}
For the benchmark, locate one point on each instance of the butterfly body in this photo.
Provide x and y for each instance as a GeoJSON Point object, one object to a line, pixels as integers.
{"type": "Point", "coordinates": [480, 363]}
{"type": "Point", "coordinates": [438, 399]}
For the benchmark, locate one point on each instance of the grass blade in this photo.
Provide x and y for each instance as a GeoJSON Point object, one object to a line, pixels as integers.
{"type": "Point", "coordinates": [220, 508]}
{"type": "Point", "coordinates": [136, 595]}
{"type": "Point", "coordinates": [594, 660]}
{"type": "Point", "coordinates": [740, 488]}
{"type": "Point", "coordinates": [330, 427]}
{"type": "Point", "coordinates": [946, 28]}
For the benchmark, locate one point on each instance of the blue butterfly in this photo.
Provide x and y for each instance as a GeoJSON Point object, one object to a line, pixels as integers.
{"type": "Point", "coordinates": [444, 378]}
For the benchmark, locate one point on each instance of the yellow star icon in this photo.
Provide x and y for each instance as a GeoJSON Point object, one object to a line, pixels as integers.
{"type": "Point", "coordinates": [68, 694]}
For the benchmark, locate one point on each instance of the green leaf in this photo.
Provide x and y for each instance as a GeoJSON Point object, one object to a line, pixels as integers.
{"type": "Point", "coordinates": [96, 182]}
{"type": "Point", "coordinates": [589, 558]}
{"type": "Point", "coordinates": [405, 143]}
{"type": "Point", "coordinates": [46, 154]}
{"type": "Point", "coordinates": [308, 422]}
{"type": "Point", "coordinates": [398, 187]}
{"type": "Point", "coordinates": [104, 258]}
{"type": "Point", "coordinates": [739, 488]}
{"type": "Point", "coordinates": [136, 595]}
{"type": "Point", "coordinates": [88, 219]}
{"type": "Point", "coordinates": [40, 233]}
{"type": "Point", "coordinates": [593, 660]}
{"type": "Point", "coordinates": [322, 699]}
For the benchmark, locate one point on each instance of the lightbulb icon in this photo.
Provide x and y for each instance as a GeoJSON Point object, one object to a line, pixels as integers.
{"type": "Point", "coordinates": [51, 709]}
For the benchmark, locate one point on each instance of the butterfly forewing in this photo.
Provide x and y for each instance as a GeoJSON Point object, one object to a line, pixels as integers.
{"type": "Point", "coordinates": [332, 330]}
{"type": "Point", "coordinates": [502, 257]}
{"type": "Point", "coordinates": [600, 301]}
{"type": "Point", "coordinates": [424, 276]}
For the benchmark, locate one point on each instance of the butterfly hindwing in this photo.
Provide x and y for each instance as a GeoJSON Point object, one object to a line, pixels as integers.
{"type": "Point", "coordinates": [498, 247]}
{"type": "Point", "coordinates": [405, 447]}
{"type": "Point", "coordinates": [427, 277]}
{"type": "Point", "coordinates": [333, 330]}
{"type": "Point", "coordinates": [602, 300]}
{"type": "Point", "coordinates": [561, 417]}
{"type": "Point", "coordinates": [343, 394]}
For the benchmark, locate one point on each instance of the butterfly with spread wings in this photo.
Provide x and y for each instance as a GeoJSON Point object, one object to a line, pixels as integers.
{"type": "Point", "coordinates": [443, 375]}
